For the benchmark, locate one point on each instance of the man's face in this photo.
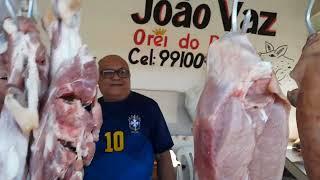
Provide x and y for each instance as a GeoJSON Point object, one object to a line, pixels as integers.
{"type": "Point", "coordinates": [114, 79]}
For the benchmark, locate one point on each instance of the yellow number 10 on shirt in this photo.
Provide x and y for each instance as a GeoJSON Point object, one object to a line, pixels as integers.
{"type": "Point", "coordinates": [114, 141]}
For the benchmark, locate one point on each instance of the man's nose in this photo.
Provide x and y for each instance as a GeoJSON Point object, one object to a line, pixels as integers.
{"type": "Point", "coordinates": [116, 76]}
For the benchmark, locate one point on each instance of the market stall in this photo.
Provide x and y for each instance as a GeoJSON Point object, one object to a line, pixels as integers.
{"type": "Point", "coordinates": [49, 53]}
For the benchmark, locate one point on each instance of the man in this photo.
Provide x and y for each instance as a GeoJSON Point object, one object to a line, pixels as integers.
{"type": "Point", "coordinates": [134, 131]}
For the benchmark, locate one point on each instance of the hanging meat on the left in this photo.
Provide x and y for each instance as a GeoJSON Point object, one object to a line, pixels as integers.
{"type": "Point", "coordinates": [25, 60]}
{"type": "Point", "coordinates": [3, 69]}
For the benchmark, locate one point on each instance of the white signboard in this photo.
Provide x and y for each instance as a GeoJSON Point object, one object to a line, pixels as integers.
{"type": "Point", "coordinates": [166, 42]}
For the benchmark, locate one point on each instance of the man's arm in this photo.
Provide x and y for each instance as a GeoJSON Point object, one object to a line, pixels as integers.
{"type": "Point", "coordinates": [165, 167]}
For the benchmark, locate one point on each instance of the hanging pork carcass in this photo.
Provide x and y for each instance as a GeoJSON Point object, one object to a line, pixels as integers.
{"type": "Point", "coordinates": [27, 65]}
{"type": "Point", "coordinates": [71, 118]}
{"type": "Point", "coordinates": [241, 127]}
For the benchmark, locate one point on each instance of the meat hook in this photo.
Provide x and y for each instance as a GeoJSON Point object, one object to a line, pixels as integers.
{"type": "Point", "coordinates": [234, 15]}
{"type": "Point", "coordinates": [11, 10]}
{"type": "Point", "coordinates": [30, 8]}
{"type": "Point", "coordinates": [310, 28]}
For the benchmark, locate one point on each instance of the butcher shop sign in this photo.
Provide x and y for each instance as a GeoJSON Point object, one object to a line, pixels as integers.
{"type": "Point", "coordinates": [169, 39]}
{"type": "Point", "coordinates": [181, 14]}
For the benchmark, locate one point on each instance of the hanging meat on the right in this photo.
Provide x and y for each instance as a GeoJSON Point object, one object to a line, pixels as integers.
{"type": "Point", "coordinates": [241, 127]}
{"type": "Point", "coordinates": [307, 101]}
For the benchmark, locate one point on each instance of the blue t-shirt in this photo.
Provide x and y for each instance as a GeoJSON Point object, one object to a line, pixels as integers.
{"type": "Point", "coordinates": [133, 130]}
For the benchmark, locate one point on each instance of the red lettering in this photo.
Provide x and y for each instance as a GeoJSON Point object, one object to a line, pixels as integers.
{"type": "Point", "coordinates": [165, 41]}
{"type": "Point", "coordinates": [136, 39]}
{"type": "Point", "coordinates": [142, 38]}
{"type": "Point", "coordinates": [213, 38]}
{"type": "Point", "coordinates": [194, 44]}
{"type": "Point", "coordinates": [158, 40]}
{"type": "Point", "coordinates": [184, 42]}
{"type": "Point", "coordinates": [150, 37]}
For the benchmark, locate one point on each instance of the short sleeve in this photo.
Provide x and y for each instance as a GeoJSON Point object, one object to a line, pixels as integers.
{"type": "Point", "coordinates": [161, 137]}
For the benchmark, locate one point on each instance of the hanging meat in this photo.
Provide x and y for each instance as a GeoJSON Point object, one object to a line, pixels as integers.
{"type": "Point", "coordinates": [27, 67]}
{"type": "Point", "coordinates": [3, 68]}
{"type": "Point", "coordinates": [241, 127]}
{"type": "Point", "coordinates": [71, 117]}
{"type": "Point", "coordinates": [307, 101]}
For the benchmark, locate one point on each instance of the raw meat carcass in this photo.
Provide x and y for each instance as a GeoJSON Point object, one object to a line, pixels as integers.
{"type": "Point", "coordinates": [306, 98]}
{"type": "Point", "coordinates": [26, 64]}
{"type": "Point", "coordinates": [241, 127]}
{"type": "Point", "coordinates": [3, 77]}
{"type": "Point", "coordinates": [71, 118]}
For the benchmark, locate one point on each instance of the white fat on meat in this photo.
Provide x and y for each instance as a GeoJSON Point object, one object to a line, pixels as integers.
{"type": "Point", "coordinates": [26, 117]}
{"type": "Point", "coordinates": [69, 45]}
{"type": "Point", "coordinates": [13, 163]}
{"type": "Point", "coordinates": [68, 11]}
{"type": "Point", "coordinates": [242, 116]}
{"type": "Point", "coordinates": [49, 144]}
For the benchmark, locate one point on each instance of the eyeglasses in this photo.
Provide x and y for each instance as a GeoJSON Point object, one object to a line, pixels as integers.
{"type": "Point", "coordinates": [109, 73]}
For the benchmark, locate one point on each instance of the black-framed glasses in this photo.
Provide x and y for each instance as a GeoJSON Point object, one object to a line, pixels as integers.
{"type": "Point", "coordinates": [109, 73]}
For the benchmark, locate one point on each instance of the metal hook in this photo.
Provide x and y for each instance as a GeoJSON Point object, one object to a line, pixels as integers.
{"type": "Point", "coordinates": [30, 8]}
{"type": "Point", "coordinates": [310, 28]}
{"type": "Point", "coordinates": [11, 10]}
{"type": "Point", "coordinates": [246, 22]}
{"type": "Point", "coordinates": [234, 15]}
